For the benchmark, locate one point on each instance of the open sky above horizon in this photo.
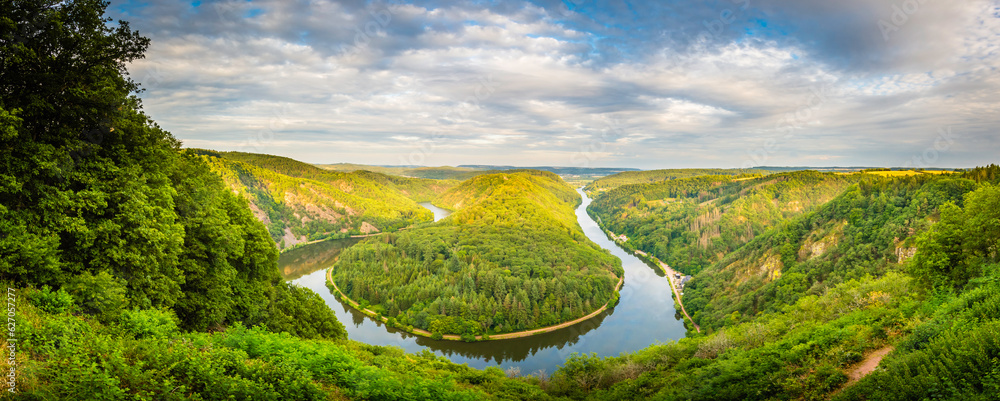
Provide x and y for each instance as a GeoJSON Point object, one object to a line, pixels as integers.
{"type": "Point", "coordinates": [582, 83]}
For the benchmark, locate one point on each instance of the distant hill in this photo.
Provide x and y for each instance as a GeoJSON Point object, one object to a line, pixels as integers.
{"type": "Point", "coordinates": [650, 176]}
{"type": "Point", "coordinates": [584, 171]}
{"type": "Point", "coordinates": [846, 169]}
{"type": "Point", "coordinates": [434, 173]}
{"type": "Point", "coordinates": [466, 171]}
{"type": "Point", "coordinates": [299, 202]}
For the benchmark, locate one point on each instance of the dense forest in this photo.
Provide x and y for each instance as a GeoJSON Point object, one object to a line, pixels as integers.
{"type": "Point", "coordinates": [652, 176]}
{"type": "Point", "coordinates": [97, 200]}
{"type": "Point", "coordinates": [802, 335]}
{"type": "Point", "coordinates": [299, 202]}
{"type": "Point", "coordinates": [867, 230]}
{"type": "Point", "coordinates": [690, 223]}
{"type": "Point", "coordinates": [512, 257]}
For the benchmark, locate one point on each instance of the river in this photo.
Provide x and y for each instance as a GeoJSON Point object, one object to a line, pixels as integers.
{"type": "Point", "coordinates": [644, 316]}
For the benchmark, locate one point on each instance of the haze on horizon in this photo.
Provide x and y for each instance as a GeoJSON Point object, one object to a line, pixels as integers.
{"type": "Point", "coordinates": [578, 83]}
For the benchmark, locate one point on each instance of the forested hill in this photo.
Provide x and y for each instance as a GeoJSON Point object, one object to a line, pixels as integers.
{"type": "Point", "coordinates": [475, 198]}
{"type": "Point", "coordinates": [693, 222]}
{"type": "Point", "coordinates": [435, 173]}
{"type": "Point", "coordinates": [651, 176]}
{"type": "Point", "coordinates": [870, 229]}
{"type": "Point", "coordinates": [416, 189]}
{"type": "Point", "coordinates": [299, 202]}
{"type": "Point", "coordinates": [906, 266]}
{"type": "Point", "coordinates": [510, 258]}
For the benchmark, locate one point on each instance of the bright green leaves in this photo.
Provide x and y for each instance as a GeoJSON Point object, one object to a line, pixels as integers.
{"type": "Point", "coordinates": [955, 249]}
{"type": "Point", "coordinates": [982, 222]}
{"type": "Point", "coordinates": [102, 295]}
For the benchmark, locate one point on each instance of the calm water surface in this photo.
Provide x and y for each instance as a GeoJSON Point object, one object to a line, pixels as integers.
{"type": "Point", "coordinates": [644, 316]}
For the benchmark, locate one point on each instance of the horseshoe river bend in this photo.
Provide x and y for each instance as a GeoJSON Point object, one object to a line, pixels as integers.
{"type": "Point", "coordinates": [644, 316]}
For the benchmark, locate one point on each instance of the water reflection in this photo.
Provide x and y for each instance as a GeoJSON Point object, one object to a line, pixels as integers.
{"type": "Point", "coordinates": [298, 262]}
{"type": "Point", "coordinates": [439, 213]}
{"type": "Point", "coordinates": [644, 316]}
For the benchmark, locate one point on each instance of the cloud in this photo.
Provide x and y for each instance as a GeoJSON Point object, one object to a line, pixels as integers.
{"type": "Point", "coordinates": [640, 84]}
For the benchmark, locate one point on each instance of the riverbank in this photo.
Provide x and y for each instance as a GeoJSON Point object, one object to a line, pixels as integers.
{"type": "Point", "coordinates": [438, 215]}
{"type": "Point", "coordinates": [677, 295]}
{"type": "Point", "coordinates": [334, 238]}
{"type": "Point", "coordinates": [453, 337]}
{"type": "Point", "coordinates": [622, 242]}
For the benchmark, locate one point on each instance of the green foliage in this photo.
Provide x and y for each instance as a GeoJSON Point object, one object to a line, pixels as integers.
{"type": "Point", "coordinates": [990, 174]}
{"type": "Point", "coordinates": [146, 357]}
{"type": "Point", "coordinates": [954, 250]}
{"type": "Point", "coordinates": [150, 323]}
{"type": "Point", "coordinates": [434, 173]}
{"type": "Point", "coordinates": [798, 353]}
{"type": "Point", "coordinates": [58, 301]}
{"type": "Point", "coordinates": [690, 222]}
{"type": "Point", "coordinates": [860, 232]}
{"type": "Point", "coordinates": [102, 295]}
{"type": "Point", "coordinates": [463, 276]}
{"type": "Point", "coordinates": [99, 202]}
{"type": "Point", "coordinates": [954, 355]}
{"type": "Point", "coordinates": [796, 335]}
{"type": "Point", "coordinates": [302, 312]}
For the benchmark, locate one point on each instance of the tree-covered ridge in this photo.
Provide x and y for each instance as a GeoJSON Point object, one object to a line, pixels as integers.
{"type": "Point", "coordinates": [299, 202]}
{"type": "Point", "coordinates": [691, 223]}
{"type": "Point", "coordinates": [652, 176]}
{"type": "Point", "coordinates": [789, 341]}
{"type": "Point", "coordinates": [509, 259]}
{"type": "Point", "coordinates": [364, 183]}
{"type": "Point", "coordinates": [434, 173]}
{"type": "Point", "coordinates": [479, 197]}
{"type": "Point", "coordinates": [867, 230]}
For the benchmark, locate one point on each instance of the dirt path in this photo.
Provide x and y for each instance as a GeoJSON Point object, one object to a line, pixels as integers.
{"type": "Point", "coordinates": [869, 364]}
{"type": "Point", "coordinates": [670, 276]}
{"type": "Point", "coordinates": [453, 337]}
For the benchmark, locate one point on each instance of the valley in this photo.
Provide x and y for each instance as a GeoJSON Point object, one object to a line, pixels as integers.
{"type": "Point", "coordinates": [503, 244]}
{"type": "Point", "coordinates": [645, 303]}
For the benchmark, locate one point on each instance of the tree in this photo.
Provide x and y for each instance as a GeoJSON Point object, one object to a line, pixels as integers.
{"type": "Point", "coordinates": [96, 197]}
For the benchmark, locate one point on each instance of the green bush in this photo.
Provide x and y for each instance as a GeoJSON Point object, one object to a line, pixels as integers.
{"type": "Point", "coordinates": [101, 295]}
{"type": "Point", "coordinates": [51, 301]}
{"type": "Point", "coordinates": [150, 323]}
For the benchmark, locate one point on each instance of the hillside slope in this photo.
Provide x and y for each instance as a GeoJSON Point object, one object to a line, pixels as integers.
{"type": "Point", "coordinates": [690, 223]}
{"type": "Point", "coordinates": [434, 173]}
{"type": "Point", "coordinates": [799, 336]}
{"type": "Point", "coordinates": [510, 258]}
{"type": "Point", "coordinates": [868, 230]}
{"type": "Point", "coordinates": [299, 202]}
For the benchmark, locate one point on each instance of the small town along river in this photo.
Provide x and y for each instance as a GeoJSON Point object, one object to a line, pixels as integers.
{"type": "Point", "coordinates": [644, 316]}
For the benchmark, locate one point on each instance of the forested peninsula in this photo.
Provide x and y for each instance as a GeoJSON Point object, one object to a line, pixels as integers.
{"type": "Point", "coordinates": [510, 258]}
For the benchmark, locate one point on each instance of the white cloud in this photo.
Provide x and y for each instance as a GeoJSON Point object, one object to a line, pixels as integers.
{"type": "Point", "coordinates": [524, 85]}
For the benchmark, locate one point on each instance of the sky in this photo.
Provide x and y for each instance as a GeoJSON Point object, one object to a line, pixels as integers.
{"type": "Point", "coordinates": [578, 83]}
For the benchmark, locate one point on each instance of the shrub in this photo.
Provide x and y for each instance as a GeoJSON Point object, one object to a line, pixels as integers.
{"type": "Point", "coordinates": [150, 323]}
{"type": "Point", "coordinates": [51, 301]}
{"type": "Point", "coordinates": [101, 295]}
